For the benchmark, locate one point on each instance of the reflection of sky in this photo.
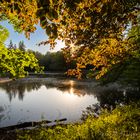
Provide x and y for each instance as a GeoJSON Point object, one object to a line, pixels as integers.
{"type": "Point", "coordinates": [35, 38]}
{"type": "Point", "coordinates": [21, 102]}
{"type": "Point", "coordinates": [49, 104]}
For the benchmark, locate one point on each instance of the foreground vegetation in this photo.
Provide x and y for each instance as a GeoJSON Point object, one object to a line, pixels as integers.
{"type": "Point", "coordinates": [103, 34]}
{"type": "Point", "coordinates": [121, 123]}
{"type": "Point", "coordinates": [14, 61]}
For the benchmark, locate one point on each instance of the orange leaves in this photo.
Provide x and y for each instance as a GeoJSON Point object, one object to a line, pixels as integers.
{"type": "Point", "coordinates": [92, 24]}
{"type": "Point", "coordinates": [22, 14]}
{"type": "Point", "coordinates": [109, 52]}
{"type": "Point", "coordinates": [75, 72]}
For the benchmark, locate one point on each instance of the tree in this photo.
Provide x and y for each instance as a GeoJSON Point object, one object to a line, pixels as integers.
{"type": "Point", "coordinates": [93, 30]}
{"type": "Point", "coordinates": [14, 61]}
{"type": "Point", "coordinates": [21, 14]}
{"type": "Point", "coordinates": [11, 45]}
{"type": "Point", "coordinates": [54, 61]}
{"type": "Point", "coordinates": [131, 72]}
{"type": "Point", "coordinates": [21, 46]}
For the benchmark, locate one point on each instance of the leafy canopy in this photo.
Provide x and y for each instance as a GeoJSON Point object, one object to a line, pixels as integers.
{"type": "Point", "coordinates": [3, 34]}
{"type": "Point", "coordinates": [93, 30]}
{"type": "Point", "coordinates": [14, 61]}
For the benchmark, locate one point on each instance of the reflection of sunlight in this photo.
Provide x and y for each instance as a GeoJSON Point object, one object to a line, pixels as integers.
{"type": "Point", "coordinates": [71, 90]}
{"type": "Point", "coordinates": [71, 96]}
{"type": "Point", "coordinates": [71, 83]}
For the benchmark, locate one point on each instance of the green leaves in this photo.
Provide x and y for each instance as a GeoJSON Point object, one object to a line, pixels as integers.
{"type": "Point", "coordinates": [3, 34]}
{"type": "Point", "coordinates": [14, 61]}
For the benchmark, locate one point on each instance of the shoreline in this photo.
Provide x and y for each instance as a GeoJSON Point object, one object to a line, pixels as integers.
{"type": "Point", "coordinates": [4, 80]}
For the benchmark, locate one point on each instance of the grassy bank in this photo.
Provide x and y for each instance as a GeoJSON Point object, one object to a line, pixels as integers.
{"type": "Point", "coordinates": [123, 123]}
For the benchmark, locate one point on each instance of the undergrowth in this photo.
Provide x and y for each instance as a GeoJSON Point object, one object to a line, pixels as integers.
{"type": "Point", "coordinates": [123, 123]}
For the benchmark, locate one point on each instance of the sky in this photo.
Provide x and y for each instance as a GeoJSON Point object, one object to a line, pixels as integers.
{"type": "Point", "coordinates": [35, 38]}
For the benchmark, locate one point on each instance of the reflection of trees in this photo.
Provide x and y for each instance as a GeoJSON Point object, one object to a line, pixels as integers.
{"type": "Point", "coordinates": [109, 98]}
{"type": "Point", "coordinates": [1, 112]}
{"type": "Point", "coordinates": [77, 90]}
{"type": "Point", "coordinates": [106, 95]}
{"type": "Point", "coordinates": [4, 112]}
{"type": "Point", "coordinates": [111, 95]}
{"type": "Point", "coordinates": [16, 88]}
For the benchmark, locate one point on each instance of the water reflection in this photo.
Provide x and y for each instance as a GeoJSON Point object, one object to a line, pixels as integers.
{"type": "Point", "coordinates": [113, 97]}
{"type": "Point", "coordinates": [1, 112]}
{"type": "Point", "coordinates": [110, 95]}
{"type": "Point", "coordinates": [4, 112]}
{"type": "Point", "coordinates": [29, 99]}
{"type": "Point", "coordinates": [14, 89]}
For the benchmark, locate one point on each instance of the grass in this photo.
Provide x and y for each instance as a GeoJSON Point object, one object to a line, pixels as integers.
{"type": "Point", "coordinates": [123, 123]}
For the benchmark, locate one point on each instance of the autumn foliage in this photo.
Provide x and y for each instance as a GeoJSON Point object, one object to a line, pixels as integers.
{"type": "Point", "coordinates": [95, 32]}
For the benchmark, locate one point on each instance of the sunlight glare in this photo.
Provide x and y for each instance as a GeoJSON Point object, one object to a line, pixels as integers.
{"type": "Point", "coordinates": [71, 96]}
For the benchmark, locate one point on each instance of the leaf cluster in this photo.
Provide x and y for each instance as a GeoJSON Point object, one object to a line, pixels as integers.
{"type": "Point", "coordinates": [14, 61]}
{"type": "Point", "coordinates": [92, 30]}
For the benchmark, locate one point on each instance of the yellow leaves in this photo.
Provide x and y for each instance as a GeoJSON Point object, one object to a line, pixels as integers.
{"type": "Point", "coordinates": [111, 48]}
{"type": "Point", "coordinates": [81, 5]}
{"type": "Point", "coordinates": [109, 52]}
{"type": "Point", "coordinates": [14, 61]}
{"type": "Point", "coordinates": [22, 14]}
{"type": "Point", "coordinates": [75, 72]}
{"type": "Point", "coordinates": [80, 66]}
{"type": "Point", "coordinates": [111, 119]}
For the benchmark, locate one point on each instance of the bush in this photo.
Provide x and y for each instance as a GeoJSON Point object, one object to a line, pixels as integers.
{"type": "Point", "coordinates": [122, 123]}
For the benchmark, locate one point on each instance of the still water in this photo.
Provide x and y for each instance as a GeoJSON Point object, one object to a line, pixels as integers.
{"type": "Point", "coordinates": [53, 99]}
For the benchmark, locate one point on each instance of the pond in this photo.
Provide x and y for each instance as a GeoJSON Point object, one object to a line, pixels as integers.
{"type": "Point", "coordinates": [36, 99]}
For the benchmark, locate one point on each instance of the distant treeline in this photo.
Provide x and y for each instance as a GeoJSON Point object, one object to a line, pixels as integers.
{"type": "Point", "coordinates": [53, 61]}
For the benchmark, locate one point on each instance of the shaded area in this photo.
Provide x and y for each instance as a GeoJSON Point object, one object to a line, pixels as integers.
{"type": "Point", "coordinates": [110, 98]}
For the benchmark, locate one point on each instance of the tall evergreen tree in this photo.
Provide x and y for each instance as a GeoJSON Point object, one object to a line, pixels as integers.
{"type": "Point", "coordinates": [22, 46]}
{"type": "Point", "coordinates": [11, 45]}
